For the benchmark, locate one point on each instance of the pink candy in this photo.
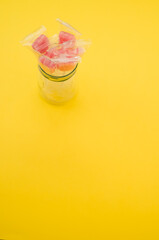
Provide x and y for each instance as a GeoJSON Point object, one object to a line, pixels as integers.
{"type": "Point", "coordinates": [41, 44]}
{"type": "Point", "coordinates": [65, 37]}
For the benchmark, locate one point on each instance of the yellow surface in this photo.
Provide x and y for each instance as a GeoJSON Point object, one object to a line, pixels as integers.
{"type": "Point", "coordinates": [88, 169]}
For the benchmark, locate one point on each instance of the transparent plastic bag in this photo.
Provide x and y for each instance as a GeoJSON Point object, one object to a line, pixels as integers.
{"type": "Point", "coordinates": [60, 52]}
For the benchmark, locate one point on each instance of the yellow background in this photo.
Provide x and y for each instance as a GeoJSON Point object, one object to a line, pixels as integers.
{"type": "Point", "coordinates": [88, 169]}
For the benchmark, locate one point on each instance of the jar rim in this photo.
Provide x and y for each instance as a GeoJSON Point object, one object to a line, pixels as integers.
{"type": "Point", "coordinates": [58, 78]}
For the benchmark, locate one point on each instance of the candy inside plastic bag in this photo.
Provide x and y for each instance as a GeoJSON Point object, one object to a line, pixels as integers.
{"type": "Point", "coordinates": [59, 53]}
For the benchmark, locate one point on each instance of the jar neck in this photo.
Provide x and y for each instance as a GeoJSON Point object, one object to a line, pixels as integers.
{"type": "Point", "coordinates": [57, 78]}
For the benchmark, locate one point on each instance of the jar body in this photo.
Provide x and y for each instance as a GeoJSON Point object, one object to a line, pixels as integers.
{"type": "Point", "coordinates": [58, 89]}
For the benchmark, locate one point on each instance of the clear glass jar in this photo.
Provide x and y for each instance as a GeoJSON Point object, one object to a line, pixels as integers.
{"type": "Point", "coordinates": [58, 89]}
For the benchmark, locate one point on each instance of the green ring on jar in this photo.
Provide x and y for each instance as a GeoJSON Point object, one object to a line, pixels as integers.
{"type": "Point", "coordinates": [58, 78]}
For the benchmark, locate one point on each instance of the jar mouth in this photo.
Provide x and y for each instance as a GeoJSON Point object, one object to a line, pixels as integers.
{"type": "Point", "coordinates": [58, 78]}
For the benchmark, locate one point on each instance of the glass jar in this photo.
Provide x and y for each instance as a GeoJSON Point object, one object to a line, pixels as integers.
{"type": "Point", "coordinates": [57, 89]}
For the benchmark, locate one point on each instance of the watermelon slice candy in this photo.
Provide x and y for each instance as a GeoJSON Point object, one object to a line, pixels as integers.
{"type": "Point", "coordinates": [68, 40]}
{"type": "Point", "coordinates": [41, 44]}
{"type": "Point", "coordinates": [65, 37]}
